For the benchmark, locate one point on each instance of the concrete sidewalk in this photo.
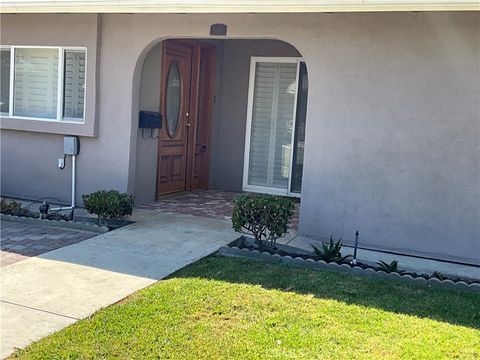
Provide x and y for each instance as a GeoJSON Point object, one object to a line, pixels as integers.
{"type": "Point", "coordinates": [44, 294]}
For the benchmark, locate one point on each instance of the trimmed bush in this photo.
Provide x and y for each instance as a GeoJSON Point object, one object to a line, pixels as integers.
{"type": "Point", "coordinates": [12, 207]}
{"type": "Point", "coordinates": [266, 217]}
{"type": "Point", "coordinates": [109, 204]}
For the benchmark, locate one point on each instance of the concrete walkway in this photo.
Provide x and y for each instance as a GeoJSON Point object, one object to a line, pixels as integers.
{"type": "Point", "coordinates": [44, 294]}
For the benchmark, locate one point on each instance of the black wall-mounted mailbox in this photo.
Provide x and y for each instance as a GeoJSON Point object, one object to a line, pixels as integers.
{"type": "Point", "coordinates": [150, 120]}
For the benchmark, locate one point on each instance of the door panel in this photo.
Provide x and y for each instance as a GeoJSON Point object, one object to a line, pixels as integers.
{"type": "Point", "coordinates": [175, 102]}
{"type": "Point", "coordinates": [202, 129]}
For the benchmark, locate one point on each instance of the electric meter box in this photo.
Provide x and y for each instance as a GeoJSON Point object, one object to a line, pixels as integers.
{"type": "Point", "coordinates": [71, 145]}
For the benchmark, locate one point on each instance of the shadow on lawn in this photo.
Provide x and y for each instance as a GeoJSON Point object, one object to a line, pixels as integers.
{"type": "Point", "coordinates": [454, 307]}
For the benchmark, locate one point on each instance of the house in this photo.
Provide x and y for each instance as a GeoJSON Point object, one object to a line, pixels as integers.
{"type": "Point", "coordinates": [367, 110]}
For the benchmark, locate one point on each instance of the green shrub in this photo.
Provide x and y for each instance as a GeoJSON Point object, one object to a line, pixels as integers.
{"type": "Point", "coordinates": [331, 251]}
{"type": "Point", "coordinates": [266, 217]}
{"type": "Point", "coordinates": [109, 204]}
{"type": "Point", "coordinates": [12, 207]}
{"type": "Point", "coordinates": [389, 268]}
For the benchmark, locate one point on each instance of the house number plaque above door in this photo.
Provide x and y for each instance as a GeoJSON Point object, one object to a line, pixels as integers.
{"type": "Point", "coordinates": [218, 30]}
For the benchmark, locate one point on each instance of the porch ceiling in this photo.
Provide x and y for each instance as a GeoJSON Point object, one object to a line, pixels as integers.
{"type": "Point", "coordinates": [232, 6]}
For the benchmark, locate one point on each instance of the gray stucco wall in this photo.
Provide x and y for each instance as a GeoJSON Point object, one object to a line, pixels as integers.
{"type": "Point", "coordinates": [393, 123]}
{"type": "Point", "coordinates": [147, 148]}
{"type": "Point", "coordinates": [393, 133]}
{"type": "Point", "coordinates": [29, 156]}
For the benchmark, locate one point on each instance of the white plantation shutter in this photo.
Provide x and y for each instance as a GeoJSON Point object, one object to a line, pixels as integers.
{"type": "Point", "coordinates": [74, 84]}
{"type": "Point", "coordinates": [36, 82]}
{"type": "Point", "coordinates": [271, 127]}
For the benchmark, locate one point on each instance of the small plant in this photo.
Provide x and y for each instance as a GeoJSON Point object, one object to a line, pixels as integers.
{"type": "Point", "coordinates": [108, 204]}
{"type": "Point", "coordinates": [12, 207]}
{"type": "Point", "coordinates": [389, 268]}
{"type": "Point", "coordinates": [331, 251]}
{"type": "Point", "coordinates": [266, 217]}
{"type": "Point", "coordinates": [438, 275]}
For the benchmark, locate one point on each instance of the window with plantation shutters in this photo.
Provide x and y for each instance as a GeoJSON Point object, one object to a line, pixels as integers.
{"type": "Point", "coordinates": [43, 83]}
{"type": "Point", "coordinates": [271, 125]}
{"type": "Point", "coordinates": [36, 83]}
{"type": "Point", "coordinates": [74, 84]}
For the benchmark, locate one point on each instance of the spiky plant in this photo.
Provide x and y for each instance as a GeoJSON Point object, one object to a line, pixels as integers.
{"type": "Point", "coordinates": [389, 267]}
{"type": "Point", "coordinates": [331, 251]}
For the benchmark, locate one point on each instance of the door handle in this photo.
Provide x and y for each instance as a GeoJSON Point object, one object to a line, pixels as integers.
{"type": "Point", "coordinates": [203, 148]}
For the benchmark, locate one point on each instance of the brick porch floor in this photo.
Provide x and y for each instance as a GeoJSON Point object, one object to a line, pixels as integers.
{"type": "Point", "coordinates": [20, 241]}
{"type": "Point", "coordinates": [209, 203]}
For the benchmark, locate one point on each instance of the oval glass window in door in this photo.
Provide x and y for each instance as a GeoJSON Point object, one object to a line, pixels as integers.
{"type": "Point", "coordinates": [172, 99]}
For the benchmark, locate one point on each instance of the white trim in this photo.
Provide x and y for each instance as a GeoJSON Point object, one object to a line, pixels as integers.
{"type": "Point", "coordinates": [248, 128]}
{"type": "Point", "coordinates": [60, 85]}
{"type": "Point", "coordinates": [12, 76]}
{"type": "Point", "coordinates": [69, 121]}
{"type": "Point", "coordinates": [292, 141]}
{"type": "Point", "coordinates": [60, 81]}
{"type": "Point", "coordinates": [222, 6]}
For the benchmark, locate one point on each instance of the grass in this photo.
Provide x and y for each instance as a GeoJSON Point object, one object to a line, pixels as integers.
{"type": "Point", "coordinates": [227, 308]}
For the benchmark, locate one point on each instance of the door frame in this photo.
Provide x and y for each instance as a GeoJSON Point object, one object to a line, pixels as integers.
{"type": "Point", "coordinates": [248, 128]}
{"type": "Point", "coordinates": [197, 47]}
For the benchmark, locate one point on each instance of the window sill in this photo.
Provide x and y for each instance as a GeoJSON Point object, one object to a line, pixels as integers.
{"type": "Point", "coordinates": [85, 128]}
{"type": "Point", "coordinates": [21, 118]}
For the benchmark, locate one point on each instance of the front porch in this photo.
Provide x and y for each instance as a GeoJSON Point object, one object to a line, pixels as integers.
{"type": "Point", "coordinates": [233, 114]}
{"type": "Point", "coordinates": [214, 204]}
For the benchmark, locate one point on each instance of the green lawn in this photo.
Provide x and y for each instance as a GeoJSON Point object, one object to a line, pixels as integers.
{"type": "Point", "coordinates": [226, 308]}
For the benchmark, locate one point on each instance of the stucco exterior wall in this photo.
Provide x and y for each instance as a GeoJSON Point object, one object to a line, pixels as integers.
{"type": "Point", "coordinates": [147, 148]}
{"type": "Point", "coordinates": [393, 128]}
{"type": "Point", "coordinates": [393, 134]}
{"type": "Point", "coordinates": [29, 155]}
{"type": "Point", "coordinates": [80, 30]}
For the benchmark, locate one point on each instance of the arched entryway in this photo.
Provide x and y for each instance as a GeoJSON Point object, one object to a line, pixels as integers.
{"type": "Point", "coordinates": [213, 96]}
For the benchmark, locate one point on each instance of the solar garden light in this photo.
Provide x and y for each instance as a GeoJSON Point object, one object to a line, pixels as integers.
{"type": "Point", "coordinates": [354, 260]}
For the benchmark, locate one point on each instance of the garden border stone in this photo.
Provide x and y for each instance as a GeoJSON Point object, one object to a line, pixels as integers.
{"type": "Point", "coordinates": [233, 251]}
{"type": "Point", "coordinates": [56, 223]}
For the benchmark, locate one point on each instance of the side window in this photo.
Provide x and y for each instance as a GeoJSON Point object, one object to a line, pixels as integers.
{"type": "Point", "coordinates": [48, 83]}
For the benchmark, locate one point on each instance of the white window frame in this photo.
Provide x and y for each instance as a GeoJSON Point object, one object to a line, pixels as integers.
{"type": "Point", "coordinates": [61, 68]}
{"type": "Point", "coordinates": [248, 131]}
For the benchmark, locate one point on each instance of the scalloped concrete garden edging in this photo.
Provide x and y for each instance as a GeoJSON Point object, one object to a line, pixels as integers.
{"type": "Point", "coordinates": [355, 270]}
{"type": "Point", "coordinates": [56, 223]}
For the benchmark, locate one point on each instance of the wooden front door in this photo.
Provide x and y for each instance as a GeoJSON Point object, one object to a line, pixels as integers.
{"type": "Point", "coordinates": [203, 115]}
{"type": "Point", "coordinates": [186, 104]}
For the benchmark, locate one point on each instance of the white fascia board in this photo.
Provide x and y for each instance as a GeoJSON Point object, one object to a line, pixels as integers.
{"type": "Point", "coordinates": [230, 6]}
